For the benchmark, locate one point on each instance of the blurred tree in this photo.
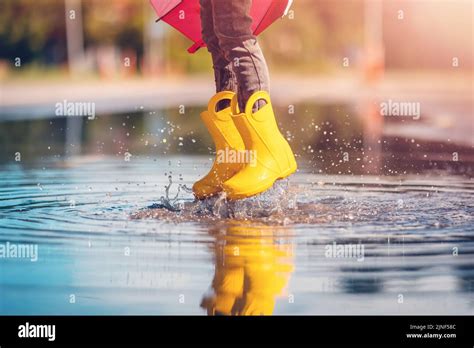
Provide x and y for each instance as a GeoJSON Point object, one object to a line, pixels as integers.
{"type": "Point", "coordinates": [314, 37]}
{"type": "Point", "coordinates": [32, 30]}
{"type": "Point", "coordinates": [117, 23]}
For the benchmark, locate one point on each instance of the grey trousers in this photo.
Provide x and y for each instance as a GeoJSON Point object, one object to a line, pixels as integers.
{"type": "Point", "coordinates": [238, 61]}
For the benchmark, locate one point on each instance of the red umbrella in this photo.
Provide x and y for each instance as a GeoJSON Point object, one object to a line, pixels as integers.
{"type": "Point", "coordinates": [184, 15]}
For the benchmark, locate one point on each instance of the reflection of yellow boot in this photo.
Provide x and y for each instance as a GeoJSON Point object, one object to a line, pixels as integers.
{"type": "Point", "coordinates": [228, 286]}
{"type": "Point", "coordinates": [226, 138]}
{"type": "Point", "coordinates": [262, 138]}
{"type": "Point", "coordinates": [252, 270]}
{"type": "Point", "coordinates": [267, 268]}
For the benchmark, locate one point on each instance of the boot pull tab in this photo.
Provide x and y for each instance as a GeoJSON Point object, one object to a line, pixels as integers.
{"type": "Point", "coordinates": [234, 105]}
{"type": "Point", "coordinates": [251, 102]}
{"type": "Point", "coordinates": [211, 107]}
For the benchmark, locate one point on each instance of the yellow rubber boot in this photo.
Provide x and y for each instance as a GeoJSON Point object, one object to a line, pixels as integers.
{"type": "Point", "coordinates": [226, 139]}
{"type": "Point", "coordinates": [262, 138]}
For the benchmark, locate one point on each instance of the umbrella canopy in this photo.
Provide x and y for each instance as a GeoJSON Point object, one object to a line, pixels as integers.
{"type": "Point", "coordinates": [184, 15]}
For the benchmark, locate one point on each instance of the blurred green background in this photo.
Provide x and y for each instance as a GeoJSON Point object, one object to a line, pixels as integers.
{"type": "Point", "coordinates": [312, 39]}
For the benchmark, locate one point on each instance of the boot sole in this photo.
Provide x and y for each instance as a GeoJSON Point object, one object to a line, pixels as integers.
{"type": "Point", "coordinates": [260, 189]}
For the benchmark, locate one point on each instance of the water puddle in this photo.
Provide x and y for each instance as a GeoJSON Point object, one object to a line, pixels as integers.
{"type": "Point", "coordinates": [276, 206]}
{"type": "Point", "coordinates": [125, 239]}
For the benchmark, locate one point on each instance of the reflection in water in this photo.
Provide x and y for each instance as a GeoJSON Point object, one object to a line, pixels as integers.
{"type": "Point", "coordinates": [372, 123]}
{"type": "Point", "coordinates": [253, 264]}
{"type": "Point", "coordinates": [466, 277]}
{"type": "Point", "coordinates": [364, 285]}
{"type": "Point", "coordinates": [417, 235]}
{"type": "Point", "coordinates": [333, 139]}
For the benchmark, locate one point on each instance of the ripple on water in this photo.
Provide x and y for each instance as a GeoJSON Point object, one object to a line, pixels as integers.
{"type": "Point", "coordinates": [85, 217]}
{"type": "Point", "coordinates": [423, 209]}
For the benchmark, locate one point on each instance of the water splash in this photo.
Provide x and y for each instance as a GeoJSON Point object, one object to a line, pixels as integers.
{"type": "Point", "coordinates": [274, 205]}
{"type": "Point", "coordinates": [174, 204]}
{"type": "Point", "coordinates": [273, 201]}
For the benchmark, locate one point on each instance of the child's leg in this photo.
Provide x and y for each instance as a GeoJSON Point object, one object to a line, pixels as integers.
{"type": "Point", "coordinates": [232, 26]}
{"type": "Point", "coordinates": [224, 76]}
